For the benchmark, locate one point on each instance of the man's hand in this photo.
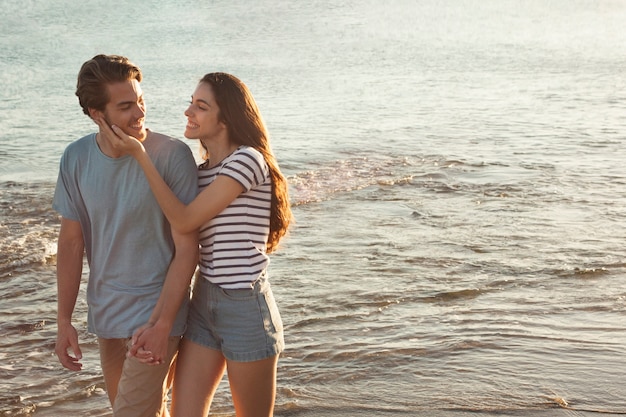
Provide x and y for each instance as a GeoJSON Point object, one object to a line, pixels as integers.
{"type": "Point", "coordinates": [149, 344]}
{"type": "Point", "coordinates": [67, 338]}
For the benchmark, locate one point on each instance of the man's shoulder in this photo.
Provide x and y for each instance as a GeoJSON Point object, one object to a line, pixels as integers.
{"type": "Point", "coordinates": [165, 150]}
{"type": "Point", "coordinates": [79, 148]}
{"type": "Point", "coordinates": [159, 136]}
{"type": "Point", "coordinates": [156, 136]}
{"type": "Point", "coordinates": [82, 142]}
{"type": "Point", "coordinates": [162, 140]}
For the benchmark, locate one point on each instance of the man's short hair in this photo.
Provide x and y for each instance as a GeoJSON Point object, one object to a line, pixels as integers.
{"type": "Point", "coordinates": [97, 73]}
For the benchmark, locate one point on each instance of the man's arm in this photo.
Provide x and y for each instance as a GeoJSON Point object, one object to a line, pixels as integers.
{"type": "Point", "coordinates": [153, 336]}
{"type": "Point", "coordinates": [71, 248]}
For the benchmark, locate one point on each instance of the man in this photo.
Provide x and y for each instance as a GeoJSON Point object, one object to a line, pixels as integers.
{"type": "Point", "coordinates": [139, 268]}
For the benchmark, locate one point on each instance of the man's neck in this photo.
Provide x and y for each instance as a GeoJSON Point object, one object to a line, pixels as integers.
{"type": "Point", "coordinates": [107, 148]}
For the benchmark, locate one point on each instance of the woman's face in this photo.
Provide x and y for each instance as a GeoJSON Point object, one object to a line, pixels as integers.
{"type": "Point", "coordinates": [203, 115]}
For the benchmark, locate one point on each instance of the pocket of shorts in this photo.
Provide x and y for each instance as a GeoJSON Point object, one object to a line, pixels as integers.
{"type": "Point", "coordinates": [274, 320]}
{"type": "Point", "coordinates": [238, 294]}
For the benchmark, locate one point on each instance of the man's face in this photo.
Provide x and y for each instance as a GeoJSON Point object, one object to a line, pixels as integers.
{"type": "Point", "coordinates": [126, 108]}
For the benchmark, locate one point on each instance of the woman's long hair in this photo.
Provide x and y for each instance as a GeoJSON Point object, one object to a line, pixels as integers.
{"type": "Point", "coordinates": [240, 113]}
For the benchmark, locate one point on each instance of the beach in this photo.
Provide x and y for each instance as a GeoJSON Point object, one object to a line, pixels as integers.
{"type": "Point", "coordinates": [455, 170]}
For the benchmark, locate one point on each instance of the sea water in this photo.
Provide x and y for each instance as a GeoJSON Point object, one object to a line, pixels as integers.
{"type": "Point", "coordinates": [457, 176]}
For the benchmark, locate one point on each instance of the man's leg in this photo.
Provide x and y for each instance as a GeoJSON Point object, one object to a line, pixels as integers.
{"type": "Point", "coordinates": [142, 389]}
{"type": "Point", "coordinates": [112, 357]}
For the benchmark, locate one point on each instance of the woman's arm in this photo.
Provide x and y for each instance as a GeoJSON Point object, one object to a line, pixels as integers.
{"type": "Point", "coordinates": [184, 218]}
{"type": "Point", "coordinates": [208, 204]}
{"type": "Point", "coordinates": [153, 336]}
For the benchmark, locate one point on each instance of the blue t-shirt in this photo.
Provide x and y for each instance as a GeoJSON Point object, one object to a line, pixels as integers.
{"type": "Point", "coordinates": [127, 238]}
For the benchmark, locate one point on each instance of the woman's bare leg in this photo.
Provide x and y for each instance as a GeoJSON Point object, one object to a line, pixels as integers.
{"type": "Point", "coordinates": [253, 386]}
{"type": "Point", "coordinates": [199, 371]}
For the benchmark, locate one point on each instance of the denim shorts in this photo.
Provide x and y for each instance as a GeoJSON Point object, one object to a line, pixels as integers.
{"type": "Point", "coordinates": [243, 324]}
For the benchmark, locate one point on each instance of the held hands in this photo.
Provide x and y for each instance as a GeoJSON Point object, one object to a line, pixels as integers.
{"type": "Point", "coordinates": [149, 344]}
{"type": "Point", "coordinates": [119, 140]}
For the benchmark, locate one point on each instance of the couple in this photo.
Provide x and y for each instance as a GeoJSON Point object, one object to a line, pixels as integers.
{"type": "Point", "coordinates": [135, 203]}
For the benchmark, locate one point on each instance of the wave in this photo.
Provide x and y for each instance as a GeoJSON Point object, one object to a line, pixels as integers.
{"type": "Point", "coordinates": [436, 173]}
{"type": "Point", "coordinates": [359, 172]}
{"type": "Point", "coordinates": [28, 226]}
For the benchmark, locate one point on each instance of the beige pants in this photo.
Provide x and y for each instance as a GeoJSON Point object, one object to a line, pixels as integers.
{"type": "Point", "coordinates": [136, 389]}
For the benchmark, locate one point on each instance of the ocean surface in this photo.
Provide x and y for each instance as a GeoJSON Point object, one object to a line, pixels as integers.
{"type": "Point", "coordinates": [457, 175]}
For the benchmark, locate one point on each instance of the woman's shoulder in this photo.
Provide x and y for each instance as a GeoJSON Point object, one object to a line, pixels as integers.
{"type": "Point", "coordinates": [247, 165]}
{"type": "Point", "coordinates": [253, 159]}
{"type": "Point", "coordinates": [248, 151]}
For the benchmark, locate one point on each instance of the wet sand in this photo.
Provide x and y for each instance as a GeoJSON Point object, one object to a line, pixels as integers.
{"type": "Point", "coordinates": [552, 412]}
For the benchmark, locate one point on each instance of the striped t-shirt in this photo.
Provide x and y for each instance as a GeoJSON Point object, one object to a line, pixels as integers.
{"type": "Point", "coordinates": [233, 244]}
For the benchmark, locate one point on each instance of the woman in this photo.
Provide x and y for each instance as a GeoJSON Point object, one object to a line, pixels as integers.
{"type": "Point", "coordinates": [242, 212]}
